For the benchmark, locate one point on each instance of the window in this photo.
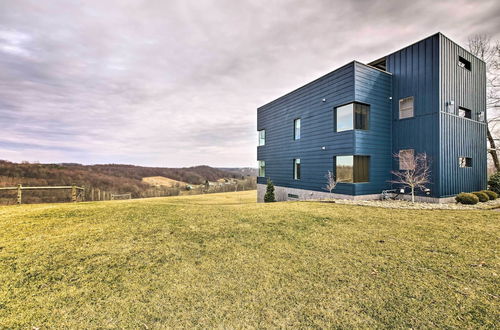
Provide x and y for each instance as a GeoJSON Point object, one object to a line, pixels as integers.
{"type": "Point", "coordinates": [296, 169]}
{"type": "Point", "coordinates": [406, 159]}
{"type": "Point", "coordinates": [352, 116]}
{"type": "Point", "coordinates": [463, 112]}
{"type": "Point", "coordinates": [406, 107]}
{"type": "Point", "coordinates": [262, 137]}
{"type": "Point", "coordinates": [463, 63]}
{"type": "Point", "coordinates": [296, 129]}
{"type": "Point", "coordinates": [262, 168]}
{"type": "Point", "coordinates": [352, 169]}
{"type": "Point", "coordinates": [465, 162]}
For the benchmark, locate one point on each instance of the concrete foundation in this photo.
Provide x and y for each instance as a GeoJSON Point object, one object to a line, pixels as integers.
{"type": "Point", "coordinates": [282, 194]}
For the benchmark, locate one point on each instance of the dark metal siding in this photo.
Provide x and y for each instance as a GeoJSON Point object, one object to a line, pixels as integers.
{"type": "Point", "coordinates": [461, 136]}
{"type": "Point", "coordinates": [352, 82]}
{"type": "Point", "coordinates": [415, 72]}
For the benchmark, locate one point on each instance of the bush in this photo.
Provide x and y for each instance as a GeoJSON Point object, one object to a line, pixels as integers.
{"type": "Point", "coordinates": [494, 183]}
{"type": "Point", "coordinates": [491, 194]}
{"type": "Point", "coordinates": [466, 198]}
{"type": "Point", "coordinates": [269, 196]}
{"type": "Point", "coordinates": [481, 196]}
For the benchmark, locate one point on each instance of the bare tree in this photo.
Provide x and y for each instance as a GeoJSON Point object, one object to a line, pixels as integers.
{"type": "Point", "coordinates": [414, 172]}
{"type": "Point", "coordinates": [331, 183]}
{"type": "Point", "coordinates": [481, 46]}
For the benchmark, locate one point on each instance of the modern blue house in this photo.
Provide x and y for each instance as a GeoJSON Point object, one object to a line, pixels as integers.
{"type": "Point", "coordinates": [429, 97]}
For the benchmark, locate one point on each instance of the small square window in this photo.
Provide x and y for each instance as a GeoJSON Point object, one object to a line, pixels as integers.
{"type": "Point", "coordinates": [406, 159]}
{"type": "Point", "coordinates": [296, 129]}
{"type": "Point", "coordinates": [406, 107]}
{"type": "Point", "coordinates": [464, 162]}
{"type": "Point", "coordinates": [463, 63]}
{"type": "Point", "coordinates": [463, 112]}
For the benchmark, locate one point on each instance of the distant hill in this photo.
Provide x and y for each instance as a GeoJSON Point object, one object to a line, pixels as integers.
{"type": "Point", "coordinates": [111, 177]}
{"type": "Point", "coordinates": [241, 171]}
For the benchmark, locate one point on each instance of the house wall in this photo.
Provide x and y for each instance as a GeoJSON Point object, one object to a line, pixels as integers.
{"type": "Point", "coordinates": [461, 137]}
{"type": "Point", "coordinates": [352, 82]}
{"type": "Point", "coordinates": [415, 71]}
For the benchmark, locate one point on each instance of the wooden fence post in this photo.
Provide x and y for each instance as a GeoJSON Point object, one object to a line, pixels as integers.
{"type": "Point", "coordinates": [92, 194]}
{"type": "Point", "coordinates": [19, 193]}
{"type": "Point", "coordinates": [73, 193]}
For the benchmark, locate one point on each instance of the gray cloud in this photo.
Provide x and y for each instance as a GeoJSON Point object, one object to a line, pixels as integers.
{"type": "Point", "coordinates": [177, 83]}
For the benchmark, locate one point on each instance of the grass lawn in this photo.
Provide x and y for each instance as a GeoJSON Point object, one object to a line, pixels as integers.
{"type": "Point", "coordinates": [222, 260]}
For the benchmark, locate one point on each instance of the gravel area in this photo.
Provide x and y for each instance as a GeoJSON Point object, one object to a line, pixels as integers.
{"type": "Point", "coordinates": [399, 204]}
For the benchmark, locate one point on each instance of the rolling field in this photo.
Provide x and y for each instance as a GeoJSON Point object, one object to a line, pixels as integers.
{"type": "Point", "coordinates": [221, 260]}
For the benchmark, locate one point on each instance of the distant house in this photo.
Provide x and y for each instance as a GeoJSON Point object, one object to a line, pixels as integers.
{"type": "Point", "coordinates": [427, 97]}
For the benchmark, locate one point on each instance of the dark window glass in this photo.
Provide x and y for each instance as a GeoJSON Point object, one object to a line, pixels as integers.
{"type": "Point", "coordinates": [352, 169]}
{"type": "Point", "coordinates": [463, 112]}
{"type": "Point", "coordinates": [465, 161]}
{"type": "Point", "coordinates": [361, 113]}
{"type": "Point", "coordinates": [463, 63]}
{"type": "Point", "coordinates": [296, 169]}
{"type": "Point", "coordinates": [352, 116]}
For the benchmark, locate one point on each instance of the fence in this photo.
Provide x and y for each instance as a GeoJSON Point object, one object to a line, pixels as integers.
{"type": "Point", "coordinates": [76, 192]}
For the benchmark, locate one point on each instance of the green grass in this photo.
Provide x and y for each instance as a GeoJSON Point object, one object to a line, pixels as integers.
{"type": "Point", "coordinates": [224, 261]}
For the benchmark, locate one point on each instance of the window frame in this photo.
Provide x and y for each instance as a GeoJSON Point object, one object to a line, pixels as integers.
{"type": "Point", "coordinates": [356, 159]}
{"type": "Point", "coordinates": [296, 169]}
{"type": "Point", "coordinates": [262, 168]}
{"type": "Point", "coordinates": [401, 100]}
{"type": "Point", "coordinates": [464, 162]}
{"type": "Point", "coordinates": [399, 159]}
{"type": "Point", "coordinates": [464, 63]}
{"type": "Point", "coordinates": [262, 138]}
{"type": "Point", "coordinates": [353, 116]}
{"type": "Point", "coordinates": [465, 110]}
{"type": "Point", "coordinates": [297, 129]}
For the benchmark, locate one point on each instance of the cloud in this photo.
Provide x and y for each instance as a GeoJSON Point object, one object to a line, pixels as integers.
{"type": "Point", "coordinates": [177, 83]}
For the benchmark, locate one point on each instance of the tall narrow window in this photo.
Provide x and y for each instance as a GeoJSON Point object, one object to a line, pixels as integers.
{"type": "Point", "coordinates": [464, 162]}
{"type": "Point", "coordinates": [463, 112]}
{"type": "Point", "coordinates": [262, 137]}
{"type": "Point", "coordinates": [406, 159]}
{"type": "Point", "coordinates": [406, 107]}
{"type": "Point", "coordinates": [352, 169]}
{"type": "Point", "coordinates": [262, 168]}
{"type": "Point", "coordinates": [296, 129]}
{"type": "Point", "coordinates": [296, 169]}
{"type": "Point", "coordinates": [463, 63]}
{"type": "Point", "coordinates": [352, 116]}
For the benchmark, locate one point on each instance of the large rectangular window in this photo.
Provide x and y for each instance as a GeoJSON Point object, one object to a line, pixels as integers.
{"type": "Point", "coordinates": [463, 112]}
{"type": "Point", "coordinates": [406, 107]}
{"type": "Point", "coordinates": [262, 168]}
{"type": "Point", "coordinates": [296, 169]}
{"type": "Point", "coordinates": [352, 169]}
{"type": "Point", "coordinates": [262, 137]}
{"type": "Point", "coordinates": [296, 129]}
{"type": "Point", "coordinates": [464, 162]}
{"type": "Point", "coordinates": [352, 116]}
{"type": "Point", "coordinates": [406, 159]}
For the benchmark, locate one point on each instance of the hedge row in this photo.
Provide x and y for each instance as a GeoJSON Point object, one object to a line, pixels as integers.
{"type": "Point", "coordinates": [476, 196]}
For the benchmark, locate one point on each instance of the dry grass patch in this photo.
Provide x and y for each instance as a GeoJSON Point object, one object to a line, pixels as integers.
{"type": "Point", "coordinates": [221, 260]}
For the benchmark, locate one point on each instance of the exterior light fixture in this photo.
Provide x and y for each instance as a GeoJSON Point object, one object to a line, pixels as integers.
{"type": "Point", "coordinates": [324, 100]}
{"type": "Point", "coordinates": [427, 191]}
{"type": "Point", "coordinates": [323, 148]}
{"type": "Point", "coordinates": [402, 190]}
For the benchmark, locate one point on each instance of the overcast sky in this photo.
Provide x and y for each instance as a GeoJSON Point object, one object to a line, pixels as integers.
{"type": "Point", "coordinates": [177, 83]}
